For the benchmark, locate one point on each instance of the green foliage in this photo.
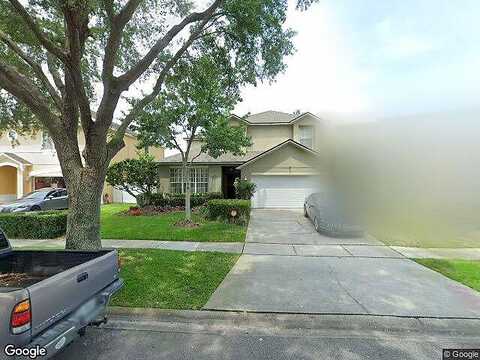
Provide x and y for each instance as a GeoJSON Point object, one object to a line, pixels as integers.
{"type": "Point", "coordinates": [135, 176]}
{"type": "Point", "coordinates": [196, 102]}
{"type": "Point", "coordinates": [231, 210]}
{"type": "Point", "coordinates": [174, 200]}
{"type": "Point", "coordinates": [249, 36]}
{"type": "Point", "coordinates": [244, 189]}
{"type": "Point", "coordinates": [34, 225]}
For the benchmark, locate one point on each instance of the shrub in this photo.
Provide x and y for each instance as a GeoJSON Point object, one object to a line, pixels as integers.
{"type": "Point", "coordinates": [175, 200]}
{"type": "Point", "coordinates": [231, 210]}
{"type": "Point", "coordinates": [244, 189]}
{"type": "Point", "coordinates": [34, 225]}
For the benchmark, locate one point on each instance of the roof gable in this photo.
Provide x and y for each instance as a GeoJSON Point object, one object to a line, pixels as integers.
{"type": "Point", "coordinates": [275, 148]}
{"type": "Point", "coordinates": [273, 118]}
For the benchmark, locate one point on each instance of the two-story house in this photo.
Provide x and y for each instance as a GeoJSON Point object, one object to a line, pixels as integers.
{"type": "Point", "coordinates": [284, 161]}
{"type": "Point", "coordinates": [30, 162]}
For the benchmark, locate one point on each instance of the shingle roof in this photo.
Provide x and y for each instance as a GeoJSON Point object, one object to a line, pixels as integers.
{"type": "Point", "coordinates": [270, 117]}
{"type": "Point", "coordinates": [204, 158]}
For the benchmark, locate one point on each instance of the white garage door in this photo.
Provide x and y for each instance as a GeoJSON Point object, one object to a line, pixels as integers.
{"type": "Point", "coordinates": [275, 191]}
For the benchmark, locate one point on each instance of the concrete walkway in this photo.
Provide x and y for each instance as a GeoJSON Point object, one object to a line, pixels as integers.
{"type": "Point", "coordinates": [254, 248]}
{"type": "Point", "coordinates": [228, 247]}
{"type": "Point", "coordinates": [288, 268]}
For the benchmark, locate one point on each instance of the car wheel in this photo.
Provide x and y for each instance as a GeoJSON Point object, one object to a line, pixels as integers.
{"type": "Point", "coordinates": [315, 224]}
{"type": "Point", "coordinates": [35, 208]}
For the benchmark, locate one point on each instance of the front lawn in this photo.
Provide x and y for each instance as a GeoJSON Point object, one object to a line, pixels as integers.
{"type": "Point", "coordinates": [170, 279]}
{"type": "Point", "coordinates": [466, 272]}
{"type": "Point", "coordinates": [116, 225]}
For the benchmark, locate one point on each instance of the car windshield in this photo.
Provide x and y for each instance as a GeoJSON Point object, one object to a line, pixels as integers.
{"type": "Point", "coordinates": [36, 195]}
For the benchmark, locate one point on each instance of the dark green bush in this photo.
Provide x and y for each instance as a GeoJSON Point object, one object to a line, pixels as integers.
{"type": "Point", "coordinates": [231, 210]}
{"type": "Point", "coordinates": [34, 225]}
{"type": "Point", "coordinates": [244, 189]}
{"type": "Point", "coordinates": [174, 200]}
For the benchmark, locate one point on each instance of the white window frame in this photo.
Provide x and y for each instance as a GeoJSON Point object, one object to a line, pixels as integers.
{"type": "Point", "coordinates": [198, 179]}
{"type": "Point", "coordinates": [305, 138]}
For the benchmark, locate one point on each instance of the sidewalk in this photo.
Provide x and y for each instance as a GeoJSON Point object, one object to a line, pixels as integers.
{"type": "Point", "coordinates": [227, 247]}
{"type": "Point", "coordinates": [251, 248]}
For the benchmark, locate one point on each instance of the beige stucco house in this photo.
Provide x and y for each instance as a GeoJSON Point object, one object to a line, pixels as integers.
{"type": "Point", "coordinates": [285, 161]}
{"type": "Point", "coordinates": [30, 162]}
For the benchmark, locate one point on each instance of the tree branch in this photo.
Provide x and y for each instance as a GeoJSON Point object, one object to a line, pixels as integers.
{"type": "Point", "coordinates": [57, 79]}
{"type": "Point", "coordinates": [26, 91]}
{"type": "Point", "coordinates": [39, 34]}
{"type": "Point", "coordinates": [37, 69]}
{"type": "Point", "coordinates": [76, 20]}
{"type": "Point", "coordinates": [118, 23]}
{"type": "Point", "coordinates": [138, 69]}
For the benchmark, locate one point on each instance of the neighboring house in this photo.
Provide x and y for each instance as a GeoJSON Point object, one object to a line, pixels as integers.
{"type": "Point", "coordinates": [284, 161]}
{"type": "Point", "coordinates": [30, 162]}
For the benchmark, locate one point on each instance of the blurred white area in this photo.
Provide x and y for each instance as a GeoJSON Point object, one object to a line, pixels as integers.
{"type": "Point", "coordinates": [414, 180]}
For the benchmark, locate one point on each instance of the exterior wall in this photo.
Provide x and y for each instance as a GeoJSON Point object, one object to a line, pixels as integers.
{"type": "Point", "coordinates": [214, 178]}
{"type": "Point", "coordinates": [265, 136]}
{"type": "Point", "coordinates": [164, 174]}
{"type": "Point", "coordinates": [308, 120]}
{"type": "Point", "coordinates": [8, 181]}
{"type": "Point", "coordinates": [288, 160]}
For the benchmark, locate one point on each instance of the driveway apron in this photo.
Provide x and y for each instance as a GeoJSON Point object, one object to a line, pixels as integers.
{"type": "Point", "coordinates": [288, 267]}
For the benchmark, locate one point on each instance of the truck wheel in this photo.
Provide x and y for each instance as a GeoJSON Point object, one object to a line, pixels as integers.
{"type": "Point", "coordinates": [82, 331]}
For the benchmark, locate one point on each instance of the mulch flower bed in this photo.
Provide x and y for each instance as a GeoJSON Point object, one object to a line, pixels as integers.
{"type": "Point", "coordinates": [154, 210]}
{"type": "Point", "coordinates": [189, 224]}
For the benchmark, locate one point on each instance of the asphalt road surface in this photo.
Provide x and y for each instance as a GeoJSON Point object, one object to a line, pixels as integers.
{"type": "Point", "coordinates": [261, 336]}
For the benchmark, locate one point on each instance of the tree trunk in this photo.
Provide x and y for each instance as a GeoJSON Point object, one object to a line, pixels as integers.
{"type": "Point", "coordinates": [186, 179]}
{"type": "Point", "coordinates": [85, 188]}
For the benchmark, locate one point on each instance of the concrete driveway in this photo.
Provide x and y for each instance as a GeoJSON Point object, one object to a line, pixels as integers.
{"type": "Point", "coordinates": [288, 267]}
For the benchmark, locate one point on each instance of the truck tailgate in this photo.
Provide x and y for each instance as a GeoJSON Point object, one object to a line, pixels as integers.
{"type": "Point", "coordinates": [59, 295]}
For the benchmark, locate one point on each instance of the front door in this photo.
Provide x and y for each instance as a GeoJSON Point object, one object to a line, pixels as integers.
{"type": "Point", "coordinates": [229, 174]}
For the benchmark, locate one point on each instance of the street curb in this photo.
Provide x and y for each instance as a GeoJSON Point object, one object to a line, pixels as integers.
{"type": "Point", "coordinates": [200, 320]}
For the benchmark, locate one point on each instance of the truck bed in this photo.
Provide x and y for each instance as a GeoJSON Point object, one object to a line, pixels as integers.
{"type": "Point", "coordinates": [21, 269]}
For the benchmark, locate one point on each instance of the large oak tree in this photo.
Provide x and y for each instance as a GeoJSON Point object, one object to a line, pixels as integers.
{"type": "Point", "coordinates": [69, 64]}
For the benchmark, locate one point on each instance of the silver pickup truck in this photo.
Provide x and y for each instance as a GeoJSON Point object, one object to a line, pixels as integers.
{"type": "Point", "coordinates": [48, 298]}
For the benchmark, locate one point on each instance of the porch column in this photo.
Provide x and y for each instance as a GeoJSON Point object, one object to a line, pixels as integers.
{"type": "Point", "coordinates": [19, 182]}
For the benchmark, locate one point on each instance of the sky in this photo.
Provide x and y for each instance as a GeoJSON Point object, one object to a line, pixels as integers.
{"type": "Point", "coordinates": [370, 58]}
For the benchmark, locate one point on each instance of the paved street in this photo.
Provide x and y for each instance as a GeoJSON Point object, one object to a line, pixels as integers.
{"type": "Point", "coordinates": [330, 275]}
{"type": "Point", "coordinates": [259, 336]}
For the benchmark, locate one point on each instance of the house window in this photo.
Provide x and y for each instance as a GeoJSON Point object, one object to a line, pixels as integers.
{"type": "Point", "coordinates": [47, 142]}
{"type": "Point", "coordinates": [198, 180]}
{"type": "Point", "coordinates": [306, 136]}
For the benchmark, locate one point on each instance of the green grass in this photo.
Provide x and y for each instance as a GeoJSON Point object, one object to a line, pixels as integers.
{"type": "Point", "coordinates": [170, 279]}
{"type": "Point", "coordinates": [466, 272]}
{"type": "Point", "coordinates": [161, 227]}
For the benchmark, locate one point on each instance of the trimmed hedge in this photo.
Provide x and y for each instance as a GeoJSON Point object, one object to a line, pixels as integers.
{"type": "Point", "coordinates": [231, 210]}
{"type": "Point", "coordinates": [34, 225]}
{"type": "Point", "coordinates": [174, 200]}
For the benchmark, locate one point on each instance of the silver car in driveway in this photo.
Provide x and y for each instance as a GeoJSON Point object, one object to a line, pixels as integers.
{"type": "Point", "coordinates": [328, 217]}
{"type": "Point", "coordinates": [43, 199]}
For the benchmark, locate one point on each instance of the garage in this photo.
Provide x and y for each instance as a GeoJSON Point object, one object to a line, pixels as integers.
{"type": "Point", "coordinates": [284, 175]}
{"type": "Point", "coordinates": [277, 191]}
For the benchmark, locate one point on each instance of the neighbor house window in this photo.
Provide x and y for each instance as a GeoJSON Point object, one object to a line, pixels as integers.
{"type": "Point", "coordinates": [47, 142]}
{"type": "Point", "coordinates": [306, 136]}
{"type": "Point", "coordinates": [198, 180]}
